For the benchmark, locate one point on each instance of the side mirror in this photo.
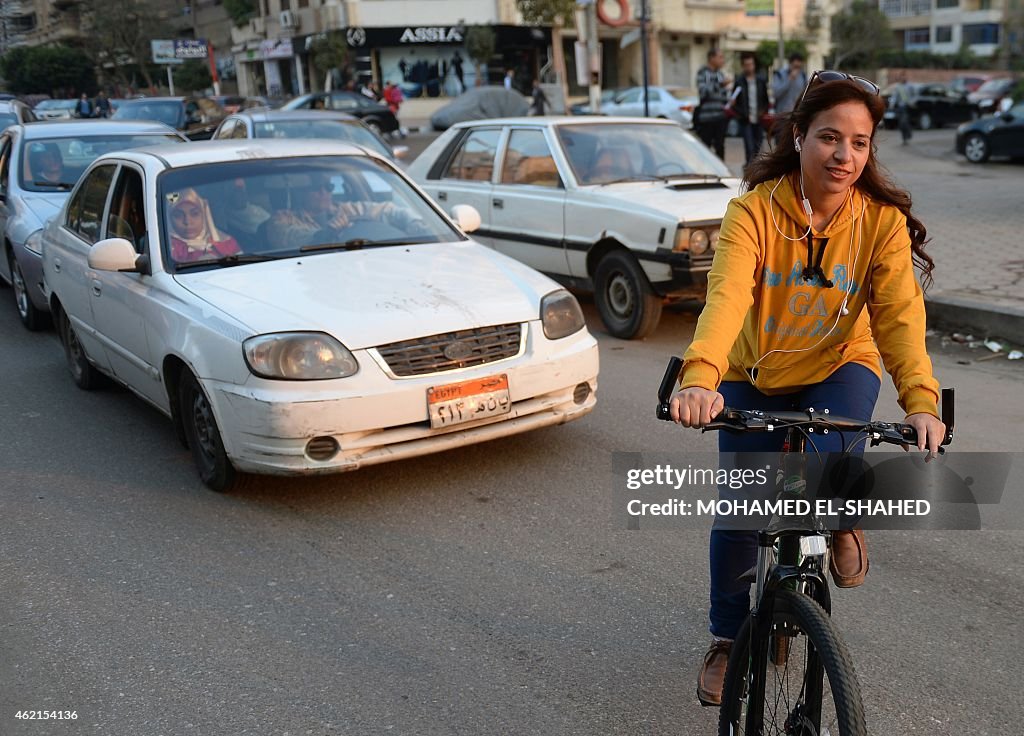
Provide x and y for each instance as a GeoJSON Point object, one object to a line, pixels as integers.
{"type": "Point", "coordinates": [400, 151]}
{"type": "Point", "coordinates": [113, 254]}
{"type": "Point", "coordinates": [466, 217]}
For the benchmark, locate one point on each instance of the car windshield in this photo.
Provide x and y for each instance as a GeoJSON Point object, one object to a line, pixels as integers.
{"type": "Point", "coordinates": [616, 152]}
{"type": "Point", "coordinates": [7, 118]}
{"type": "Point", "coordinates": [168, 112]}
{"type": "Point", "coordinates": [54, 164]}
{"type": "Point", "coordinates": [995, 85]}
{"type": "Point", "coordinates": [349, 131]}
{"type": "Point", "coordinates": [235, 212]}
{"type": "Point", "coordinates": [56, 105]}
{"type": "Point", "coordinates": [679, 93]}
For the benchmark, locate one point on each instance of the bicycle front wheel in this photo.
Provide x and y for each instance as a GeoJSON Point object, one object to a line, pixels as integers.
{"type": "Point", "coordinates": [810, 686]}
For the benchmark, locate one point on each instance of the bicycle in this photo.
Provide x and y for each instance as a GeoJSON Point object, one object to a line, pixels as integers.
{"type": "Point", "coordinates": [789, 643]}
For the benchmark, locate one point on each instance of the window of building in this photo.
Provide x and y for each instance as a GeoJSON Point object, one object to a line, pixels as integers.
{"type": "Point", "coordinates": [940, 4]}
{"type": "Point", "coordinates": [943, 34]}
{"type": "Point", "coordinates": [916, 37]}
{"type": "Point", "coordinates": [981, 33]}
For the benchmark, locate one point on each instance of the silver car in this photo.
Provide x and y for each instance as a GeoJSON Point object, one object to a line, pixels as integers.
{"type": "Point", "coordinates": [41, 164]}
{"type": "Point", "coordinates": [56, 109]}
{"type": "Point", "coordinates": [15, 111]}
{"type": "Point", "coordinates": [671, 103]}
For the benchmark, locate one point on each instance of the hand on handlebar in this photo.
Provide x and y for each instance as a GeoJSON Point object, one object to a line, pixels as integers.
{"type": "Point", "coordinates": [696, 407]}
{"type": "Point", "coordinates": [930, 432]}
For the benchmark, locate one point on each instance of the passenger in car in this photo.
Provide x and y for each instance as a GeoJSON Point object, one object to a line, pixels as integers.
{"type": "Point", "coordinates": [46, 163]}
{"type": "Point", "coordinates": [194, 236]}
{"type": "Point", "coordinates": [317, 219]}
{"type": "Point", "coordinates": [611, 164]}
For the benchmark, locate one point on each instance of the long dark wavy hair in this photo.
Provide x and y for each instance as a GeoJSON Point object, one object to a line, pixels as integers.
{"type": "Point", "coordinates": [874, 180]}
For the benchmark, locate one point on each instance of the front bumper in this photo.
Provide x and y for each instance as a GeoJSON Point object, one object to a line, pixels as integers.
{"type": "Point", "coordinates": [689, 273]}
{"type": "Point", "coordinates": [267, 425]}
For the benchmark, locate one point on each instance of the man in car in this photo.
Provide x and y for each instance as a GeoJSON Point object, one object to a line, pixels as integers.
{"type": "Point", "coordinates": [317, 219]}
{"type": "Point", "coordinates": [46, 164]}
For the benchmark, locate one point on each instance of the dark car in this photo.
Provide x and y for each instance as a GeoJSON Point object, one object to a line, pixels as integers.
{"type": "Point", "coordinates": [994, 135]}
{"type": "Point", "coordinates": [374, 114]}
{"type": "Point", "coordinates": [988, 96]}
{"type": "Point", "coordinates": [931, 106]}
{"type": "Point", "coordinates": [196, 117]}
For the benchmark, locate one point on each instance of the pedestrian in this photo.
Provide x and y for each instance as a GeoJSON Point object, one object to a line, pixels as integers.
{"type": "Point", "coordinates": [540, 100]}
{"type": "Point", "coordinates": [393, 98]}
{"type": "Point", "coordinates": [102, 105]}
{"type": "Point", "coordinates": [750, 102]}
{"type": "Point", "coordinates": [713, 88]}
{"type": "Point", "coordinates": [83, 108]}
{"type": "Point", "coordinates": [899, 101]}
{"type": "Point", "coordinates": [788, 84]}
{"type": "Point", "coordinates": [457, 66]}
{"type": "Point", "coordinates": [756, 347]}
{"type": "Point", "coordinates": [509, 78]}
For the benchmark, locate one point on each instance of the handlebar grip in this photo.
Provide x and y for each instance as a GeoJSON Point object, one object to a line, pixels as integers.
{"type": "Point", "coordinates": [948, 413]}
{"type": "Point", "coordinates": [668, 383]}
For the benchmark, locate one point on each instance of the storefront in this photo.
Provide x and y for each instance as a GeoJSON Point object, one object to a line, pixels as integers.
{"type": "Point", "coordinates": [271, 68]}
{"type": "Point", "coordinates": [433, 61]}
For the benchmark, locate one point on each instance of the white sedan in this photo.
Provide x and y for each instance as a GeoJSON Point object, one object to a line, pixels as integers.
{"type": "Point", "coordinates": [301, 307]}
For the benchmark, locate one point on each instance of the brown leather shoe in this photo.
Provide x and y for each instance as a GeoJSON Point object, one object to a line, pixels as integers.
{"type": "Point", "coordinates": [712, 673]}
{"type": "Point", "coordinates": [849, 561]}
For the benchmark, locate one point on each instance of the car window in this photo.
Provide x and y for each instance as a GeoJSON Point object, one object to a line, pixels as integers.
{"type": "Point", "coordinates": [475, 158]}
{"type": "Point", "coordinates": [168, 112]}
{"type": "Point", "coordinates": [55, 164]}
{"type": "Point", "coordinates": [241, 130]}
{"type": "Point", "coordinates": [343, 102]}
{"type": "Point", "coordinates": [85, 212]}
{"type": "Point", "coordinates": [5, 160]}
{"type": "Point", "coordinates": [127, 218]}
{"type": "Point", "coordinates": [351, 131]}
{"type": "Point", "coordinates": [632, 95]}
{"type": "Point", "coordinates": [528, 160]}
{"type": "Point", "coordinates": [226, 130]}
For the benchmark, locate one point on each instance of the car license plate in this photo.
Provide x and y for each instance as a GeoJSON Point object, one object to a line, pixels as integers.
{"type": "Point", "coordinates": [455, 403]}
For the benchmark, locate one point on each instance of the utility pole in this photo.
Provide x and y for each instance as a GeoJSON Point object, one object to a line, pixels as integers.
{"type": "Point", "coordinates": [643, 55]}
{"type": "Point", "coordinates": [782, 42]}
{"type": "Point", "coordinates": [586, 31]}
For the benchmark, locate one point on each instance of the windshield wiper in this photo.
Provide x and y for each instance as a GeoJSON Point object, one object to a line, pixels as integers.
{"type": "Point", "coordinates": [54, 184]}
{"type": "Point", "coordinates": [358, 244]}
{"type": "Point", "coordinates": [233, 260]}
{"type": "Point", "coordinates": [636, 177]}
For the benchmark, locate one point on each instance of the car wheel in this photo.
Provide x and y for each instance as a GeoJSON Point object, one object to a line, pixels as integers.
{"type": "Point", "coordinates": [628, 305]}
{"type": "Point", "coordinates": [83, 373]}
{"type": "Point", "coordinates": [925, 122]}
{"type": "Point", "coordinates": [976, 148]}
{"type": "Point", "coordinates": [31, 317]}
{"type": "Point", "coordinates": [215, 470]}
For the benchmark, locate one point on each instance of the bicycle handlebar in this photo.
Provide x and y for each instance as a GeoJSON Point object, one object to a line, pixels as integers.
{"type": "Point", "coordinates": [741, 420]}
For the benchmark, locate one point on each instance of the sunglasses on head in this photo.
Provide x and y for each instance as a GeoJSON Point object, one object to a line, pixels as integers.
{"type": "Point", "coordinates": [824, 76]}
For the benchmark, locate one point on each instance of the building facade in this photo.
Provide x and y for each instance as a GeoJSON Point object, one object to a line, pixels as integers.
{"type": "Point", "coordinates": [944, 26]}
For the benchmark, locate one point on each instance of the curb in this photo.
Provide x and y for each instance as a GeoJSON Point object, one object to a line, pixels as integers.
{"type": "Point", "coordinates": [979, 316]}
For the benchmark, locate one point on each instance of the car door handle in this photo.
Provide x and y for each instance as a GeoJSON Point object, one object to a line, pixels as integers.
{"type": "Point", "coordinates": [443, 196]}
{"type": "Point", "coordinates": [97, 287]}
{"type": "Point", "coordinates": [56, 264]}
{"type": "Point", "coordinates": [498, 203]}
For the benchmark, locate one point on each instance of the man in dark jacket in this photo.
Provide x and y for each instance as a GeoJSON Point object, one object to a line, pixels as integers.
{"type": "Point", "coordinates": [713, 88]}
{"type": "Point", "coordinates": [749, 102]}
{"type": "Point", "coordinates": [83, 108]}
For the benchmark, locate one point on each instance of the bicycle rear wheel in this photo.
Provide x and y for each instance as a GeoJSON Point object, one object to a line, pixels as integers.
{"type": "Point", "coordinates": [812, 691]}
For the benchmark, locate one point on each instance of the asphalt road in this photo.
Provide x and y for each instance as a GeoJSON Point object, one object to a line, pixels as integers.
{"type": "Point", "coordinates": [481, 591]}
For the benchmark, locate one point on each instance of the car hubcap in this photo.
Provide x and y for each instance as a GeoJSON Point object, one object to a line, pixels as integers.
{"type": "Point", "coordinates": [20, 292]}
{"type": "Point", "coordinates": [975, 149]}
{"type": "Point", "coordinates": [202, 418]}
{"type": "Point", "coordinates": [620, 295]}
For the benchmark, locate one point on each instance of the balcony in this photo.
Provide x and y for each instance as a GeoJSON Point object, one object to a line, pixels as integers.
{"type": "Point", "coordinates": [905, 8]}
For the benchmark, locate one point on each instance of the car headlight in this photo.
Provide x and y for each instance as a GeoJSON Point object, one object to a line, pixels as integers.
{"type": "Point", "coordinates": [560, 314]}
{"type": "Point", "coordinates": [696, 239]}
{"type": "Point", "coordinates": [299, 356]}
{"type": "Point", "coordinates": [34, 242]}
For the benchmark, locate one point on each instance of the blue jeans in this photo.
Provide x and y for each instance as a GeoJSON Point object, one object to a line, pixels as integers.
{"type": "Point", "coordinates": [753, 137]}
{"type": "Point", "coordinates": [851, 391]}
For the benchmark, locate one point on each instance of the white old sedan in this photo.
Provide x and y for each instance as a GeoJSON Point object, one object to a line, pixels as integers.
{"type": "Point", "coordinates": [628, 208]}
{"type": "Point", "coordinates": [301, 307]}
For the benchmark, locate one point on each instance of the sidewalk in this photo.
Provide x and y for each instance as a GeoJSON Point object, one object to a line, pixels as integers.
{"type": "Point", "coordinates": [415, 113]}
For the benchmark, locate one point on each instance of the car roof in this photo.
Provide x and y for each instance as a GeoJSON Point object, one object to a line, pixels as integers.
{"type": "Point", "coordinates": [262, 116]}
{"type": "Point", "coordinates": [155, 99]}
{"type": "Point", "coordinates": [75, 128]}
{"type": "Point", "coordinates": [555, 120]}
{"type": "Point", "coordinates": [232, 150]}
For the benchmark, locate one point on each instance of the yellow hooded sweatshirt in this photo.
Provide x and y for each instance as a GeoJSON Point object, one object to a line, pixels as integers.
{"type": "Point", "coordinates": [758, 300]}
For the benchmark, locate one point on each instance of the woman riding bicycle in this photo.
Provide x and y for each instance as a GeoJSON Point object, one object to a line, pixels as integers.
{"type": "Point", "coordinates": [812, 283]}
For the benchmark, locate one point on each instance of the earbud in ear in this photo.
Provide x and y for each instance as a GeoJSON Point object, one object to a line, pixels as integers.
{"type": "Point", "coordinates": [796, 145]}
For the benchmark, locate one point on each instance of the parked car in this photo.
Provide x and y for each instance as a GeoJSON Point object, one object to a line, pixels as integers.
{"type": "Point", "coordinates": [628, 208]}
{"type": "Point", "coordinates": [479, 103]}
{"type": "Point", "coordinates": [673, 103]}
{"type": "Point", "coordinates": [989, 95]}
{"type": "Point", "coordinates": [15, 111]}
{"type": "Point", "coordinates": [196, 117]}
{"type": "Point", "coordinates": [967, 84]}
{"type": "Point", "coordinates": [583, 108]}
{"type": "Point", "coordinates": [375, 114]}
{"type": "Point", "coordinates": [337, 126]}
{"type": "Point", "coordinates": [55, 109]}
{"type": "Point", "coordinates": [43, 164]}
{"type": "Point", "coordinates": [309, 347]}
{"type": "Point", "coordinates": [932, 105]}
{"type": "Point", "coordinates": [995, 135]}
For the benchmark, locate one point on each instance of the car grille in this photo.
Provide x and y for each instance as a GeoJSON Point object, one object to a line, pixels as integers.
{"type": "Point", "coordinates": [452, 350]}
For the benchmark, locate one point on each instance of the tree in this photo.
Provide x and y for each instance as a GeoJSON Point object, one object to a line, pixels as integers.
{"type": "Point", "coordinates": [329, 52]}
{"type": "Point", "coordinates": [51, 69]}
{"type": "Point", "coordinates": [118, 35]}
{"type": "Point", "coordinates": [192, 76]}
{"type": "Point", "coordinates": [860, 35]}
{"type": "Point", "coordinates": [767, 51]}
{"type": "Point", "coordinates": [480, 45]}
{"type": "Point", "coordinates": [240, 10]}
{"type": "Point", "coordinates": [555, 13]}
